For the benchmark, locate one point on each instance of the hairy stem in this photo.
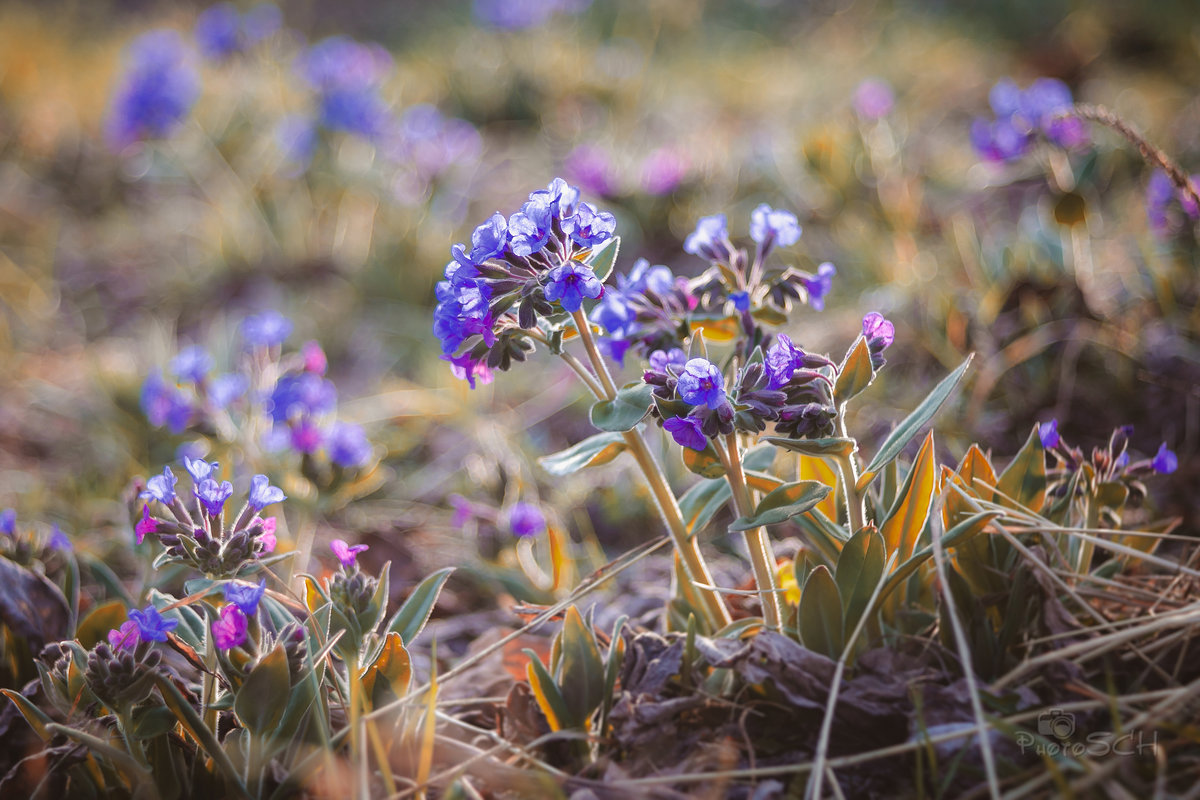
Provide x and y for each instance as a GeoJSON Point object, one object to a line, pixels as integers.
{"type": "Point", "coordinates": [762, 557]}
{"type": "Point", "coordinates": [849, 474]}
{"type": "Point", "coordinates": [695, 567]}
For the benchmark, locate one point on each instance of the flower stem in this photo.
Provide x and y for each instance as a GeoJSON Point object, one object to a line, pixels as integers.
{"type": "Point", "coordinates": [849, 474]}
{"type": "Point", "coordinates": [762, 556]}
{"type": "Point", "coordinates": [695, 567]}
{"type": "Point", "coordinates": [132, 743]}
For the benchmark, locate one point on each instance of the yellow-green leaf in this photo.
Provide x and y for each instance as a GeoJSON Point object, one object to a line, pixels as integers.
{"type": "Point", "coordinates": [546, 693]}
{"type": "Point", "coordinates": [263, 697]}
{"type": "Point", "coordinates": [784, 503]}
{"type": "Point", "coordinates": [859, 568]}
{"type": "Point", "coordinates": [907, 517]}
{"type": "Point", "coordinates": [705, 462]}
{"type": "Point", "coordinates": [581, 669]}
{"type": "Point", "coordinates": [393, 664]}
{"type": "Point", "coordinates": [855, 374]}
{"type": "Point", "coordinates": [820, 613]}
{"type": "Point", "coordinates": [811, 468]}
{"type": "Point", "coordinates": [99, 621]}
{"type": "Point", "coordinates": [591, 452]}
{"type": "Point", "coordinates": [1024, 480]}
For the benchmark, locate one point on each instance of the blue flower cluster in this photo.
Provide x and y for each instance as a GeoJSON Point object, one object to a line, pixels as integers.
{"type": "Point", "coordinates": [1021, 115]}
{"type": "Point", "coordinates": [156, 90]}
{"type": "Point", "coordinates": [1161, 196]}
{"type": "Point", "coordinates": [297, 400]}
{"type": "Point", "coordinates": [521, 14]}
{"type": "Point", "coordinates": [518, 268]}
{"type": "Point", "coordinates": [346, 77]}
{"type": "Point", "coordinates": [221, 31]}
{"type": "Point", "coordinates": [426, 146]}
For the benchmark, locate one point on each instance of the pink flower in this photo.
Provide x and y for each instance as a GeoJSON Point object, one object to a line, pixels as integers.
{"type": "Point", "coordinates": [267, 537]}
{"type": "Point", "coordinates": [314, 358]}
{"type": "Point", "coordinates": [230, 630]}
{"type": "Point", "coordinates": [126, 637]}
{"type": "Point", "coordinates": [346, 553]}
{"type": "Point", "coordinates": [145, 525]}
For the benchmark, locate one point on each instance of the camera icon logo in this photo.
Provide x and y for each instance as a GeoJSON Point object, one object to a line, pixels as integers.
{"type": "Point", "coordinates": [1057, 723]}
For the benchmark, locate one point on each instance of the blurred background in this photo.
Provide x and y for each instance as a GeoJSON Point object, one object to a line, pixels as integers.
{"type": "Point", "coordinates": [319, 159]}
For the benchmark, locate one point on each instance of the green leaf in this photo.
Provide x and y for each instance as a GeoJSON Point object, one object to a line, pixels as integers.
{"type": "Point", "coordinates": [191, 721]}
{"type": "Point", "coordinates": [602, 258]}
{"type": "Point", "coordinates": [591, 452]}
{"type": "Point", "coordinates": [820, 614]}
{"type": "Point", "coordinates": [705, 463]}
{"type": "Point", "coordinates": [37, 719]}
{"type": "Point", "coordinates": [263, 697]}
{"type": "Point", "coordinates": [832, 446]}
{"type": "Point", "coordinates": [409, 620]}
{"type": "Point", "coordinates": [784, 503]}
{"type": "Point", "coordinates": [700, 503]}
{"type": "Point", "coordinates": [907, 430]}
{"type": "Point", "coordinates": [100, 620]}
{"type": "Point", "coordinates": [859, 568]}
{"type": "Point", "coordinates": [759, 458]}
{"type": "Point", "coordinates": [546, 692]}
{"type": "Point", "coordinates": [825, 535]}
{"type": "Point", "coordinates": [581, 670]}
{"type": "Point", "coordinates": [908, 515]}
{"type": "Point", "coordinates": [370, 617]}
{"type": "Point", "coordinates": [624, 411]}
{"type": "Point", "coordinates": [1024, 480]}
{"type": "Point", "coordinates": [855, 374]}
{"type": "Point", "coordinates": [151, 721]}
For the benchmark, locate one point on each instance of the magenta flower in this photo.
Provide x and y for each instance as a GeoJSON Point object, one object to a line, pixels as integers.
{"type": "Point", "coordinates": [126, 637]}
{"type": "Point", "coordinates": [346, 553]}
{"type": "Point", "coordinates": [230, 630]}
{"type": "Point", "coordinates": [145, 525]}
{"type": "Point", "coordinates": [267, 537]}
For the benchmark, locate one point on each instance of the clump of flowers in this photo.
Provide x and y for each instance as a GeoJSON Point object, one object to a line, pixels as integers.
{"type": "Point", "coordinates": [1165, 201]}
{"type": "Point", "coordinates": [156, 91]}
{"type": "Point", "coordinates": [222, 31]}
{"type": "Point", "coordinates": [1022, 116]}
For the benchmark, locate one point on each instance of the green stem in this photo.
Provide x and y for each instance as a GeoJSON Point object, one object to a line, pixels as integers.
{"type": "Point", "coordinates": [849, 473]}
{"type": "Point", "coordinates": [1091, 522]}
{"type": "Point", "coordinates": [715, 611]}
{"type": "Point", "coordinates": [762, 556]}
{"type": "Point", "coordinates": [132, 743]}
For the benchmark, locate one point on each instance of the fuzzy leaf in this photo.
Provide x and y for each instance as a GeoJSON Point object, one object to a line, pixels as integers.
{"type": "Point", "coordinates": [591, 452]}
{"type": "Point", "coordinates": [859, 568]}
{"type": "Point", "coordinates": [784, 503]}
{"type": "Point", "coordinates": [907, 430]}
{"type": "Point", "coordinates": [581, 669]}
{"type": "Point", "coordinates": [409, 620]}
{"type": "Point", "coordinates": [603, 257]}
{"type": "Point", "coordinates": [263, 697]}
{"type": "Point", "coordinates": [393, 664]}
{"type": "Point", "coordinates": [100, 620]}
{"type": "Point", "coordinates": [37, 719]}
{"type": "Point", "coordinates": [855, 374]}
{"type": "Point", "coordinates": [546, 692]}
{"type": "Point", "coordinates": [705, 463]}
{"type": "Point", "coordinates": [832, 446]}
{"type": "Point", "coordinates": [820, 614]}
{"type": "Point", "coordinates": [1024, 480]}
{"type": "Point", "coordinates": [762, 482]}
{"type": "Point", "coordinates": [907, 517]}
{"type": "Point", "coordinates": [701, 503]}
{"type": "Point", "coordinates": [624, 411]}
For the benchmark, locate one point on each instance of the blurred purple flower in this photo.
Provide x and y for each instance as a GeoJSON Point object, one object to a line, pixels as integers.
{"type": "Point", "coordinates": [592, 168]}
{"type": "Point", "coordinates": [191, 364]}
{"type": "Point", "coordinates": [296, 138]}
{"type": "Point", "coordinates": [520, 14]}
{"type": "Point", "coordinates": [686, 432]}
{"type": "Point", "coordinates": [820, 285]}
{"type": "Point", "coordinates": [662, 172]}
{"type": "Point", "coordinates": [230, 630]}
{"type": "Point", "coordinates": [217, 31]}
{"type": "Point", "coordinates": [469, 369]}
{"type": "Point", "coordinates": [145, 525]}
{"type": "Point", "coordinates": [874, 99]}
{"type": "Point", "coordinates": [124, 638]}
{"type": "Point", "coordinates": [1048, 433]}
{"type": "Point", "coordinates": [8, 521]}
{"type": "Point", "coordinates": [155, 91]}
{"type": "Point", "coordinates": [741, 300]}
{"type": "Point", "coordinates": [710, 239]}
{"type": "Point", "coordinates": [225, 389]}
{"type": "Point", "coordinates": [1165, 461]}
{"type": "Point", "coordinates": [347, 445]}
{"type": "Point", "coordinates": [314, 358]}
{"type": "Point", "coordinates": [165, 404]}
{"type": "Point", "coordinates": [58, 540]}
{"type": "Point", "coordinates": [266, 329]}
{"type": "Point", "coordinates": [526, 519]}
{"type": "Point", "coordinates": [301, 395]}
{"type": "Point", "coordinates": [770, 227]}
{"type": "Point", "coordinates": [267, 537]}
{"type": "Point", "coordinates": [347, 554]}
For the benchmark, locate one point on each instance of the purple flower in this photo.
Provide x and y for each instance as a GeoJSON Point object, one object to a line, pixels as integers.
{"type": "Point", "coordinates": [125, 637]}
{"type": "Point", "coordinates": [305, 436]}
{"type": "Point", "coordinates": [469, 369]}
{"type": "Point", "coordinates": [710, 239]}
{"type": "Point", "coordinates": [151, 625]}
{"type": "Point", "coordinates": [873, 99]}
{"type": "Point", "coordinates": [588, 227]}
{"type": "Point", "coordinates": [347, 445]}
{"type": "Point", "coordinates": [674, 358]}
{"type": "Point", "coordinates": [213, 495]}
{"type": "Point", "coordinates": [562, 197]}
{"type": "Point", "coordinates": [346, 553]}
{"type": "Point", "coordinates": [998, 140]}
{"type": "Point", "coordinates": [647, 279]}
{"type": "Point", "coordinates": [878, 329]}
{"type": "Point", "coordinates": [1048, 433]}
{"type": "Point", "coordinates": [782, 360]}
{"type": "Point", "coordinates": [217, 32]}
{"type": "Point", "coordinates": [200, 469]}
{"type": "Point", "coordinates": [462, 310]}
{"type": "Point", "coordinates": [164, 404]}
{"type": "Point", "coordinates": [662, 172]}
{"type": "Point", "coordinates": [155, 92]}
{"type": "Point", "coordinates": [347, 76]}
{"type": "Point", "coordinates": [267, 329]}
{"type": "Point", "coordinates": [820, 286]}
{"type": "Point", "coordinates": [592, 168]}
{"type": "Point", "coordinates": [58, 540]}
{"type": "Point", "coordinates": [301, 395]}
{"type": "Point", "coordinates": [530, 227]}
{"type": "Point", "coordinates": [489, 240]}
{"type": "Point", "coordinates": [770, 227]}
{"type": "Point", "coordinates": [701, 384]}
{"type": "Point", "coordinates": [314, 358]}
{"type": "Point", "coordinates": [230, 630]}
{"type": "Point", "coordinates": [224, 389]}
{"type": "Point", "coordinates": [1165, 461]}
{"type": "Point", "coordinates": [741, 300]}
{"type": "Point", "coordinates": [526, 519]}
{"type": "Point", "coordinates": [161, 487]}
{"type": "Point", "coordinates": [8, 521]}
{"type": "Point", "coordinates": [296, 137]}
{"type": "Point", "coordinates": [686, 432]}
{"type": "Point", "coordinates": [464, 510]}
{"type": "Point", "coordinates": [570, 283]}
{"type": "Point", "coordinates": [191, 364]}
{"type": "Point", "coordinates": [267, 537]}
{"type": "Point", "coordinates": [145, 525]}
{"type": "Point", "coordinates": [263, 494]}
{"type": "Point", "coordinates": [245, 596]}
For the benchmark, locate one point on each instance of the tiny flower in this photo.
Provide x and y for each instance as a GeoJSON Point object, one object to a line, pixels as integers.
{"type": "Point", "coordinates": [464, 510]}
{"type": "Point", "coordinates": [873, 99]}
{"type": "Point", "coordinates": [570, 283]}
{"type": "Point", "coordinates": [1048, 433]}
{"type": "Point", "coordinates": [1165, 461]}
{"type": "Point", "coordinates": [125, 637]}
{"type": "Point", "coordinates": [741, 300]}
{"type": "Point", "coordinates": [314, 358]}
{"type": "Point", "coordinates": [526, 519]}
{"type": "Point", "coordinates": [156, 91]}
{"type": "Point", "coordinates": [305, 436]}
{"type": "Point", "coordinates": [213, 495]}
{"type": "Point", "coordinates": [191, 364]}
{"type": "Point", "coordinates": [782, 360]}
{"type": "Point", "coordinates": [469, 369]}
{"type": "Point", "coordinates": [876, 328]}
{"type": "Point", "coordinates": [151, 625]}
{"type": "Point", "coordinates": [268, 329]}
{"type": "Point", "coordinates": [346, 553]}
{"type": "Point", "coordinates": [563, 198]}
{"type": "Point", "coordinates": [674, 358]}
{"type": "Point", "coordinates": [770, 227]}
{"type": "Point", "coordinates": [224, 389]}
{"type": "Point", "coordinates": [244, 596]}
{"type": "Point", "coordinates": [161, 487]}
{"type": "Point", "coordinates": [145, 525]}
{"type": "Point", "coordinates": [58, 540]}
{"type": "Point", "coordinates": [267, 537]}
{"type": "Point", "coordinates": [489, 239]}
{"type": "Point", "coordinates": [701, 384]}
{"type": "Point", "coordinates": [819, 286]}
{"type": "Point", "coordinates": [200, 469]}
{"type": "Point", "coordinates": [8, 521]}
{"type": "Point", "coordinates": [531, 226]}
{"type": "Point", "coordinates": [588, 227]}
{"type": "Point", "coordinates": [348, 446]}
{"type": "Point", "coordinates": [164, 404]}
{"type": "Point", "coordinates": [709, 240]}
{"type": "Point", "coordinates": [263, 494]}
{"type": "Point", "coordinates": [230, 630]}
{"type": "Point", "coordinates": [686, 432]}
